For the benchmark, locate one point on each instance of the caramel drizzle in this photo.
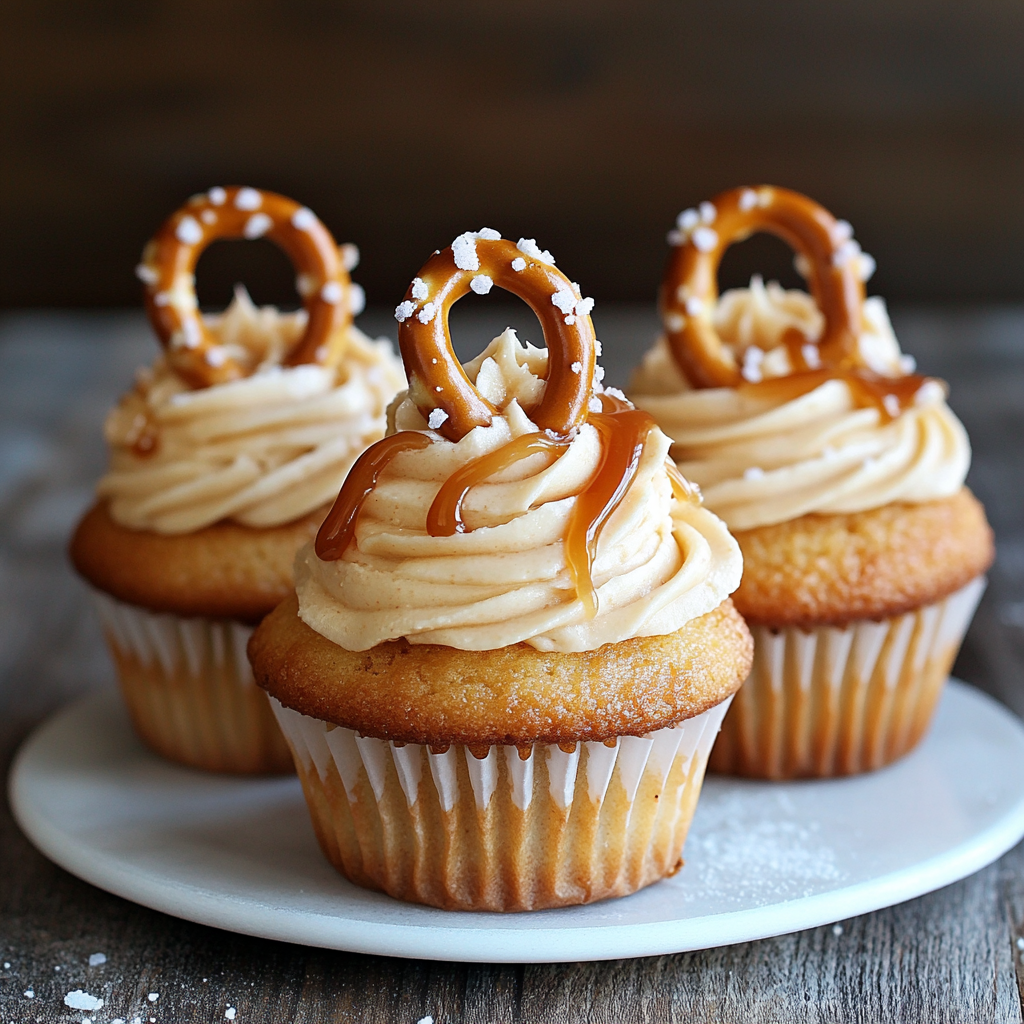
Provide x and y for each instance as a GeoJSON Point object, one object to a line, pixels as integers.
{"type": "Point", "coordinates": [868, 388]}
{"type": "Point", "coordinates": [622, 431]}
{"type": "Point", "coordinates": [444, 518]}
{"type": "Point", "coordinates": [338, 529]}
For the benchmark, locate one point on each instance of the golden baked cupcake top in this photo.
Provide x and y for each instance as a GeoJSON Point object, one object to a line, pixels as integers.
{"type": "Point", "coordinates": [514, 500]}
{"type": "Point", "coordinates": [253, 416]}
{"type": "Point", "coordinates": [781, 403]}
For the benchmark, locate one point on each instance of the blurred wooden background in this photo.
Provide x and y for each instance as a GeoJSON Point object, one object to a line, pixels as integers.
{"type": "Point", "coordinates": [585, 124]}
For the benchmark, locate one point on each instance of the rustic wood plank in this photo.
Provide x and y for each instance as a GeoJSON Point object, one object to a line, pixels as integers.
{"type": "Point", "coordinates": [950, 956]}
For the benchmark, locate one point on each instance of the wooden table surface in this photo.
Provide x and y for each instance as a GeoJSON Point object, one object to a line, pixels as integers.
{"type": "Point", "coordinates": [949, 956]}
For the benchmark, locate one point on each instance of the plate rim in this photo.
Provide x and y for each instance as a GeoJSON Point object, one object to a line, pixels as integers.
{"type": "Point", "coordinates": [560, 943]}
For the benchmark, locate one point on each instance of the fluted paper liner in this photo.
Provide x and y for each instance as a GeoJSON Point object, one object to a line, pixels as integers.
{"type": "Point", "coordinates": [837, 701]}
{"type": "Point", "coordinates": [190, 691]}
{"type": "Point", "coordinates": [491, 829]}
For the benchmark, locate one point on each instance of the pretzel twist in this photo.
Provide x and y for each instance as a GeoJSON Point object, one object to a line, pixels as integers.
{"type": "Point", "coordinates": [833, 261]}
{"type": "Point", "coordinates": [436, 378]}
{"type": "Point", "coordinates": [168, 272]}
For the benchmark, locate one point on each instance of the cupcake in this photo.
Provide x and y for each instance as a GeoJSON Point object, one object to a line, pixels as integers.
{"type": "Point", "coordinates": [512, 643]}
{"type": "Point", "coordinates": [226, 457]}
{"type": "Point", "coordinates": [841, 474]}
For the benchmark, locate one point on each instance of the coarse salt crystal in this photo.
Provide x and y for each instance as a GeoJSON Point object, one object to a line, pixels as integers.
{"type": "Point", "coordinates": [420, 289]}
{"type": "Point", "coordinates": [97, 958]}
{"type": "Point", "coordinates": [216, 356]}
{"type": "Point", "coordinates": [675, 237]}
{"type": "Point", "coordinates": [694, 306]}
{"type": "Point", "coordinates": [436, 418]}
{"type": "Point", "coordinates": [620, 395]}
{"type": "Point", "coordinates": [674, 322]}
{"type": "Point", "coordinates": [519, 264]}
{"type": "Point", "coordinates": [708, 212]}
{"type": "Point", "coordinates": [489, 234]}
{"type": "Point", "coordinates": [257, 226]}
{"type": "Point", "coordinates": [79, 1000]}
{"type": "Point", "coordinates": [404, 310]}
{"type": "Point", "coordinates": [585, 307]}
{"type": "Point", "coordinates": [529, 247]}
{"type": "Point", "coordinates": [812, 357]}
{"type": "Point", "coordinates": [753, 473]}
{"type": "Point", "coordinates": [849, 250]}
{"type": "Point", "coordinates": [843, 230]}
{"type": "Point", "coordinates": [570, 320]}
{"type": "Point", "coordinates": [349, 255]}
{"type": "Point", "coordinates": [304, 219]}
{"type": "Point", "coordinates": [188, 231]}
{"type": "Point", "coordinates": [229, 1013]}
{"type": "Point", "coordinates": [248, 199]}
{"type": "Point", "coordinates": [356, 298]}
{"type": "Point", "coordinates": [892, 405]}
{"type": "Point", "coordinates": [748, 199]}
{"type": "Point", "coordinates": [598, 374]}
{"type": "Point", "coordinates": [305, 284]}
{"type": "Point", "coordinates": [908, 364]}
{"type": "Point", "coordinates": [426, 314]}
{"type": "Point", "coordinates": [577, 367]}
{"type": "Point", "coordinates": [866, 266]}
{"type": "Point", "coordinates": [217, 196]}
{"type": "Point", "coordinates": [564, 300]}
{"type": "Point", "coordinates": [597, 348]}
{"type": "Point", "coordinates": [704, 238]}
{"type": "Point", "coordinates": [481, 284]}
{"type": "Point", "coordinates": [331, 293]}
{"type": "Point", "coordinates": [688, 220]}
{"type": "Point", "coordinates": [464, 252]}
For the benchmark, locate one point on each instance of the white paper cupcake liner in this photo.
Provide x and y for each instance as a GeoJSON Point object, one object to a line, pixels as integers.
{"type": "Point", "coordinates": [190, 691]}
{"type": "Point", "coordinates": [833, 701]}
{"type": "Point", "coordinates": [502, 828]}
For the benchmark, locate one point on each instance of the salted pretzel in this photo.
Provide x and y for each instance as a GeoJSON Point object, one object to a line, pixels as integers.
{"type": "Point", "coordinates": [833, 261]}
{"type": "Point", "coordinates": [477, 261]}
{"type": "Point", "coordinates": [168, 272]}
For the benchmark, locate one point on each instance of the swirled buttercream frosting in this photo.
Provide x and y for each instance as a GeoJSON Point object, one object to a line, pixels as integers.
{"type": "Point", "coordinates": [761, 459]}
{"type": "Point", "coordinates": [661, 560]}
{"type": "Point", "coordinates": [263, 450]}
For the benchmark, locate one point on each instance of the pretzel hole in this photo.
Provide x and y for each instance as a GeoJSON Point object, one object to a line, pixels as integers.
{"type": "Point", "coordinates": [762, 253]}
{"type": "Point", "coordinates": [476, 320]}
{"type": "Point", "coordinates": [263, 267]}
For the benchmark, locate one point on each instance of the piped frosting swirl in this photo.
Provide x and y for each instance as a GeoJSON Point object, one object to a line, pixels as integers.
{"type": "Point", "coordinates": [263, 450]}
{"type": "Point", "coordinates": [660, 559]}
{"type": "Point", "coordinates": [762, 457]}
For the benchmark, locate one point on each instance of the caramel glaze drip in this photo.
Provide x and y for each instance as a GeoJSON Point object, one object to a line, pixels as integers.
{"type": "Point", "coordinates": [889, 395]}
{"type": "Point", "coordinates": [622, 431]}
{"type": "Point", "coordinates": [338, 528]}
{"type": "Point", "coordinates": [444, 517]}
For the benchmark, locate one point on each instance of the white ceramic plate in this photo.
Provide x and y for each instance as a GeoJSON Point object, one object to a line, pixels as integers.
{"type": "Point", "coordinates": [762, 859]}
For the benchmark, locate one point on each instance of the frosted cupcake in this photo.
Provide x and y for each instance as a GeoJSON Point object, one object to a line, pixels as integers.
{"type": "Point", "coordinates": [225, 458]}
{"type": "Point", "coordinates": [512, 643]}
{"type": "Point", "coordinates": [841, 474]}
